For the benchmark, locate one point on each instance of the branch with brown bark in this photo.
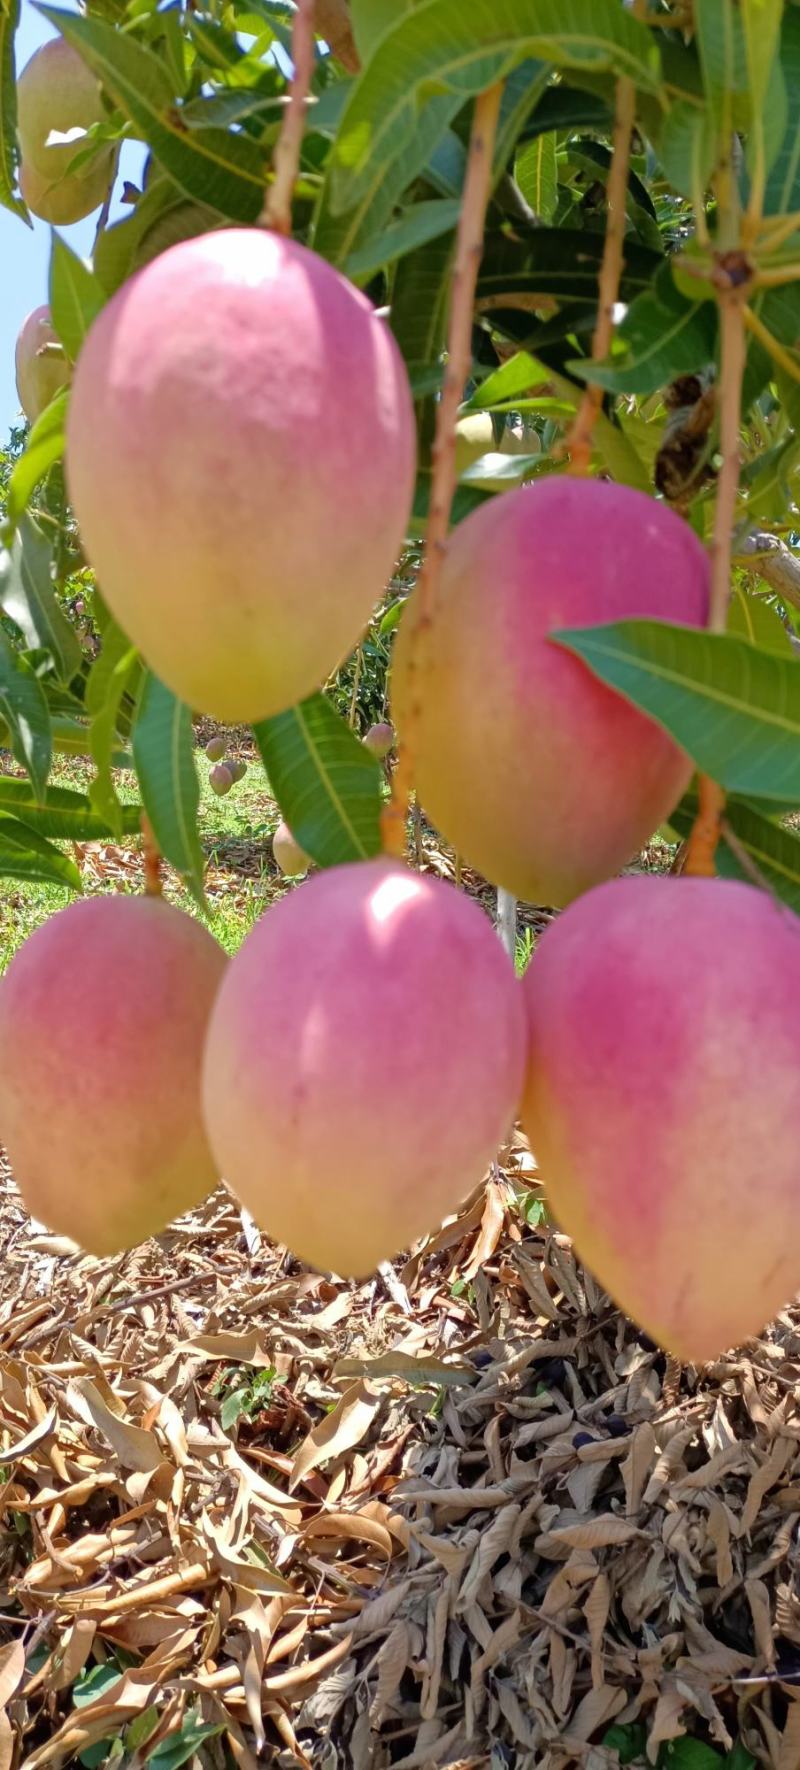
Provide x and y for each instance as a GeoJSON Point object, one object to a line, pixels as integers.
{"type": "Point", "coordinates": [770, 557]}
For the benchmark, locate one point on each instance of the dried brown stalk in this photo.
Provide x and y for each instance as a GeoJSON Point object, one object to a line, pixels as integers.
{"type": "Point", "coordinates": [469, 250]}
{"type": "Point", "coordinates": [277, 212]}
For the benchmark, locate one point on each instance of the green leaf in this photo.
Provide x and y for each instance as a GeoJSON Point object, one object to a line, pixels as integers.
{"type": "Point", "coordinates": [773, 850]}
{"type": "Point", "coordinates": [44, 447]}
{"type": "Point", "coordinates": [24, 854]}
{"type": "Point", "coordinates": [421, 223]}
{"type": "Point", "coordinates": [536, 173]}
{"type": "Point", "coordinates": [163, 750]}
{"type": "Point", "coordinates": [629, 1742]}
{"type": "Point", "coordinates": [232, 1409]}
{"type": "Point", "coordinates": [76, 297]}
{"type": "Point", "coordinates": [661, 336]}
{"type": "Point", "coordinates": [419, 317]}
{"type": "Point", "coordinates": [782, 195]}
{"type": "Point", "coordinates": [327, 784]}
{"type": "Point", "coordinates": [568, 107]}
{"type": "Point", "coordinates": [337, 236]}
{"type": "Point", "coordinates": [688, 1754]}
{"type": "Point", "coordinates": [740, 1758]}
{"type": "Point", "coordinates": [63, 814]}
{"type": "Point", "coordinates": [372, 19]}
{"type": "Point", "coordinates": [220, 167]}
{"type": "Point", "coordinates": [508, 384]}
{"type": "Point", "coordinates": [443, 44]}
{"type": "Point", "coordinates": [113, 674]}
{"type": "Point", "coordinates": [720, 39]}
{"type": "Point", "coordinates": [28, 598]}
{"type": "Point", "coordinates": [94, 1683]}
{"type": "Point", "coordinates": [563, 262]}
{"type": "Point", "coordinates": [734, 708]}
{"type": "Point", "coordinates": [24, 709]}
{"type": "Point", "coordinates": [466, 498]}
{"type": "Point", "coordinates": [182, 1746]}
{"type": "Point", "coordinates": [9, 20]}
{"type": "Point", "coordinates": [751, 618]}
{"type": "Point", "coordinates": [688, 149]}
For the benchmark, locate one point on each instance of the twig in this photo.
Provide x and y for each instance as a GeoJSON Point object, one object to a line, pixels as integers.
{"type": "Point", "coordinates": [277, 212]}
{"type": "Point", "coordinates": [351, 718]}
{"type": "Point", "coordinates": [469, 251]}
{"type": "Point", "coordinates": [152, 859]}
{"type": "Point", "coordinates": [579, 441]}
{"type": "Point", "coordinates": [732, 299]}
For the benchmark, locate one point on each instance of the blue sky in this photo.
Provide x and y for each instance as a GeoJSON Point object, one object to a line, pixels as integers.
{"type": "Point", "coordinates": [25, 252]}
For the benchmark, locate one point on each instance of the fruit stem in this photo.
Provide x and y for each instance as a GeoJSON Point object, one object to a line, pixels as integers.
{"type": "Point", "coordinates": [277, 211]}
{"type": "Point", "coordinates": [732, 298]}
{"type": "Point", "coordinates": [469, 251]}
{"type": "Point", "coordinates": [579, 441]}
{"type": "Point", "coordinates": [153, 884]}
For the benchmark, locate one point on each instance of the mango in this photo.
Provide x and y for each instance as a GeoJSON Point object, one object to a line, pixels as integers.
{"type": "Point", "coordinates": [364, 1062]}
{"type": "Point", "coordinates": [289, 857]}
{"type": "Point", "coordinates": [662, 1101]}
{"type": "Point", "coordinates": [545, 780]}
{"type": "Point", "coordinates": [103, 1015]}
{"type": "Point", "coordinates": [40, 364]}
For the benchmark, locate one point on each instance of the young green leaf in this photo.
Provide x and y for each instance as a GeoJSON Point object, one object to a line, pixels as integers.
{"type": "Point", "coordinates": [44, 447]}
{"type": "Point", "coordinates": [24, 854]}
{"type": "Point", "coordinates": [163, 750]}
{"type": "Point", "coordinates": [662, 335]}
{"type": "Point", "coordinates": [536, 173]}
{"type": "Point", "coordinates": [734, 708]}
{"type": "Point", "coordinates": [24, 709]}
{"type": "Point", "coordinates": [421, 223]}
{"type": "Point", "coordinates": [76, 296]}
{"type": "Point", "coordinates": [216, 166]}
{"type": "Point", "coordinates": [782, 196]}
{"type": "Point", "coordinates": [9, 21]}
{"type": "Point", "coordinates": [327, 784]}
{"type": "Point", "coordinates": [113, 674]}
{"type": "Point", "coordinates": [28, 598]}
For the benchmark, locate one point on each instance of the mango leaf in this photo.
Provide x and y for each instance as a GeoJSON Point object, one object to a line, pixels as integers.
{"type": "Point", "coordinates": [28, 598]}
{"type": "Point", "coordinates": [504, 386]}
{"type": "Point", "coordinates": [443, 44]}
{"type": "Point", "coordinates": [419, 318]}
{"type": "Point", "coordinates": [180, 1747]}
{"type": "Point", "coordinates": [688, 149]}
{"type": "Point", "coordinates": [720, 40]}
{"type": "Point", "coordinates": [773, 849]}
{"type": "Point", "coordinates": [562, 262]}
{"type": "Point", "coordinates": [372, 19]}
{"type": "Point", "coordinates": [466, 498]}
{"type": "Point", "coordinates": [734, 708]}
{"type": "Point", "coordinates": [76, 296]}
{"type": "Point", "coordinates": [782, 195]}
{"type": "Point", "coordinates": [24, 854]}
{"type": "Point", "coordinates": [568, 107]}
{"type": "Point", "coordinates": [751, 618]}
{"type": "Point", "coordinates": [421, 223]}
{"type": "Point", "coordinates": [113, 674]}
{"type": "Point", "coordinates": [163, 750]}
{"type": "Point", "coordinates": [336, 236]}
{"type": "Point", "coordinates": [327, 784]}
{"type": "Point", "coordinates": [220, 167]}
{"type": "Point", "coordinates": [63, 814]}
{"type": "Point", "coordinates": [536, 173]}
{"type": "Point", "coordinates": [761, 25]}
{"type": "Point", "coordinates": [9, 20]}
{"type": "Point", "coordinates": [661, 336]}
{"type": "Point", "coordinates": [45, 446]}
{"type": "Point", "coordinates": [24, 709]}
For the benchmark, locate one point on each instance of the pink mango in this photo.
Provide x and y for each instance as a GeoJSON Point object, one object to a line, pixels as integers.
{"type": "Point", "coordinates": [662, 1101]}
{"type": "Point", "coordinates": [41, 366]}
{"type": "Point", "coordinates": [364, 1062]}
{"type": "Point", "coordinates": [103, 1016]}
{"type": "Point", "coordinates": [380, 740]}
{"type": "Point", "coordinates": [241, 458]}
{"type": "Point", "coordinates": [540, 776]}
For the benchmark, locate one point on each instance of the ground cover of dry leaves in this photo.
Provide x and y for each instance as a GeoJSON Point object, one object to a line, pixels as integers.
{"type": "Point", "coordinates": [466, 1516]}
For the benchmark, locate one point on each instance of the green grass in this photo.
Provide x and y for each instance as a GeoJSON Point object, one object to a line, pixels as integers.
{"type": "Point", "coordinates": [236, 832]}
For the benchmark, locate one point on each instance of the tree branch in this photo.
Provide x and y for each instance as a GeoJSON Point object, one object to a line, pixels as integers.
{"type": "Point", "coordinates": [770, 557]}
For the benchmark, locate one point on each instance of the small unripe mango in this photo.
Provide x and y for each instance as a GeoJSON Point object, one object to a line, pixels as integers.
{"type": "Point", "coordinates": [222, 370]}
{"type": "Point", "coordinates": [220, 779]}
{"type": "Point", "coordinates": [662, 1101]}
{"type": "Point", "coordinates": [41, 366]}
{"type": "Point", "coordinates": [474, 438]}
{"type": "Point", "coordinates": [103, 1016]}
{"type": "Point", "coordinates": [380, 740]}
{"type": "Point", "coordinates": [215, 749]}
{"type": "Point", "coordinates": [66, 199]}
{"type": "Point", "coordinates": [543, 778]}
{"type": "Point", "coordinates": [57, 93]}
{"type": "Point", "coordinates": [287, 854]}
{"type": "Point", "coordinates": [363, 1063]}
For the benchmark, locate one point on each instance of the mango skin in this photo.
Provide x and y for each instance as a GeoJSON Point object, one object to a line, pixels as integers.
{"type": "Point", "coordinates": [40, 374]}
{"type": "Point", "coordinates": [364, 1061]}
{"type": "Point", "coordinates": [380, 740]}
{"type": "Point", "coordinates": [662, 1101]}
{"type": "Point", "coordinates": [543, 779]}
{"type": "Point", "coordinates": [222, 370]}
{"type": "Point", "coordinates": [287, 854]}
{"type": "Point", "coordinates": [56, 91]}
{"type": "Point", "coordinates": [63, 200]}
{"type": "Point", "coordinates": [103, 1015]}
